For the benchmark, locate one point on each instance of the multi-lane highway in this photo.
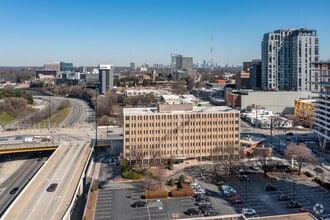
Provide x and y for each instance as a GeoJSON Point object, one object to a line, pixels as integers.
{"type": "Point", "coordinates": [15, 183]}
{"type": "Point", "coordinates": [63, 168]}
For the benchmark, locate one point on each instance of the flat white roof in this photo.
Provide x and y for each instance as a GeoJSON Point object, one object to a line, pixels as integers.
{"type": "Point", "coordinates": [213, 109]}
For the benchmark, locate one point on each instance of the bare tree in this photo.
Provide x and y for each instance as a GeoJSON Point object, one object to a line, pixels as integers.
{"type": "Point", "coordinates": [301, 153]}
{"type": "Point", "coordinates": [229, 158]}
{"type": "Point", "coordinates": [138, 157]}
{"type": "Point", "coordinates": [263, 156]}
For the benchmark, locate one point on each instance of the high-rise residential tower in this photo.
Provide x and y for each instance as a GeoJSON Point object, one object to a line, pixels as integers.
{"type": "Point", "coordinates": [106, 72]}
{"type": "Point", "coordinates": [287, 55]}
{"type": "Point", "coordinates": [322, 111]}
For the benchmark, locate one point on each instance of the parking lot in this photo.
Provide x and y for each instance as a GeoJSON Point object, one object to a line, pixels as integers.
{"type": "Point", "coordinates": [266, 203]}
{"type": "Point", "coordinates": [115, 199]}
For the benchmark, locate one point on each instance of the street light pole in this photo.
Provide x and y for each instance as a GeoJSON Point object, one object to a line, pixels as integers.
{"type": "Point", "coordinates": [246, 190]}
{"type": "Point", "coordinates": [96, 93]}
{"type": "Point", "coordinates": [48, 111]}
{"type": "Point", "coordinates": [294, 190]}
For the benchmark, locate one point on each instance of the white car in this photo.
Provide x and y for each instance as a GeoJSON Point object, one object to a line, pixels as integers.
{"type": "Point", "coordinates": [248, 212]}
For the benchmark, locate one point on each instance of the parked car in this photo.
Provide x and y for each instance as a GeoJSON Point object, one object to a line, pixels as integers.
{"type": "Point", "coordinates": [202, 198]}
{"type": "Point", "coordinates": [246, 178]}
{"type": "Point", "coordinates": [228, 194]}
{"type": "Point", "coordinates": [325, 217]}
{"type": "Point", "coordinates": [203, 202]}
{"type": "Point", "coordinates": [284, 198]}
{"type": "Point", "coordinates": [205, 209]}
{"type": "Point", "coordinates": [199, 191]}
{"type": "Point", "coordinates": [192, 211]}
{"type": "Point", "coordinates": [248, 211]}
{"type": "Point", "coordinates": [237, 201]}
{"type": "Point", "coordinates": [234, 197]}
{"type": "Point", "coordinates": [211, 213]}
{"type": "Point", "coordinates": [270, 187]}
{"type": "Point", "coordinates": [139, 204]}
{"type": "Point", "coordinates": [226, 188]}
{"type": "Point", "coordinates": [205, 206]}
{"type": "Point", "coordinates": [293, 204]}
{"type": "Point", "coordinates": [303, 210]}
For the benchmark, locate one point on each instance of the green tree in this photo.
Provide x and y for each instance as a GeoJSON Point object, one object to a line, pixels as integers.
{"type": "Point", "coordinates": [123, 165]}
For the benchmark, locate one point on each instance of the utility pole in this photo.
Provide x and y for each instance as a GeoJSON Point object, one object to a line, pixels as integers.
{"type": "Point", "coordinates": [48, 111]}
{"type": "Point", "coordinates": [96, 93]}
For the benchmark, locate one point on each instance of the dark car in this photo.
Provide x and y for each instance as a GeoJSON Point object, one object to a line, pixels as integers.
{"type": "Point", "coordinates": [205, 207]}
{"type": "Point", "coordinates": [237, 201]}
{"type": "Point", "coordinates": [304, 210]}
{"type": "Point", "coordinates": [52, 187]}
{"type": "Point", "coordinates": [246, 178]}
{"type": "Point", "coordinates": [192, 211]}
{"type": "Point", "coordinates": [284, 198]}
{"type": "Point", "coordinates": [270, 187]}
{"type": "Point", "coordinates": [13, 190]}
{"type": "Point", "coordinates": [211, 213]}
{"type": "Point", "coordinates": [19, 138]}
{"type": "Point", "coordinates": [201, 198]}
{"type": "Point", "coordinates": [206, 210]}
{"type": "Point", "coordinates": [293, 204]}
{"type": "Point", "coordinates": [139, 204]}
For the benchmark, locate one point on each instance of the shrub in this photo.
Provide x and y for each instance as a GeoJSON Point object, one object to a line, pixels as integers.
{"type": "Point", "coordinates": [148, 194]}
{"type": "Point", "coordinates": [178, 193]}
{"type": "Point", "coordinates": [171, 182]}
{"type": "Point", "coordinates": [94, 188]}
{"type": "Point", "coordinates": [182, 178]}
{"type": "Point", "coordinates": [123, 165]}
{"type": "Point", "coordinates": [309, 174]}
{"type": "Point", "coordinates": [170, 164]}
{"type": "Point", "coordinates": [187, 189]}
{"type": "Point", "coordinates": [131, 174]}
{"type": "Point", "coordinates": [292, 170]}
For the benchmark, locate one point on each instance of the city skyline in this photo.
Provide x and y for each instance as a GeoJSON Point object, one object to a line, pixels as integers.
{"type": "Point", "coordinates": [119, 32]}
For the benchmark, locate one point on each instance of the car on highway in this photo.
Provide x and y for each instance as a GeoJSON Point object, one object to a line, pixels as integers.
{"type": "Point", "coordinates": [14, 190]}
{"type": "Point", "coordinates": [248, 211]}
{"type": "Point", "coordinates": [139, 204]}
{"type": "Point", "coordinates": [19, 138]}
{"type": "Point", "coordinates": [52, 187]}
{"type": "Point", "coordinates": [192, 211]}
{"type": "Point", "coordinates": [3, 139]}
{"type": "Point", "coordinates": [284, 198]}
{"type": "Point", "coordinates": [293, 204]}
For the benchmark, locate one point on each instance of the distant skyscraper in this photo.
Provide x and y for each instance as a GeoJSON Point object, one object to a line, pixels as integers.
{"type": "Point", "coordinates": [187, 63]}
{"type": "Point", "coordinates": [179, 62]}
{"type": "Point", "coordinates": [66, 67]}
{"type": "Point", "coordinates": [132, 65]}
{"type": "Point", "coordinates": [287, 55]}
{"type": "Point", "coordinates": [106, 72]}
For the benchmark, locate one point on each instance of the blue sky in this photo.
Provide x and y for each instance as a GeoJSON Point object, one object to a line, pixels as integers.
{"type": "Point", "coordinates": [90, 32]}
